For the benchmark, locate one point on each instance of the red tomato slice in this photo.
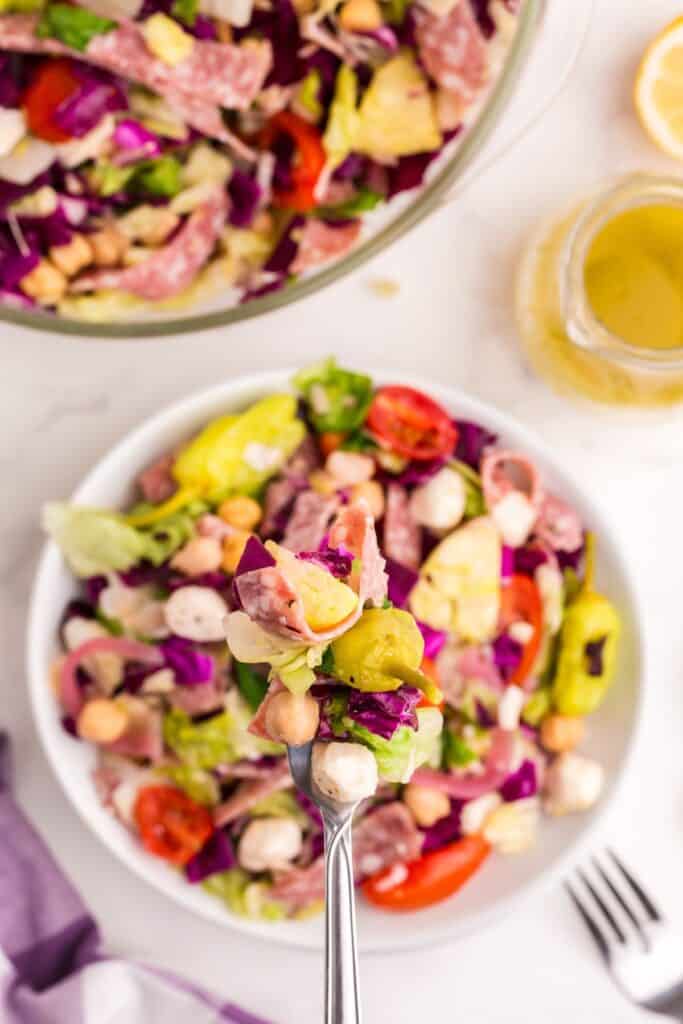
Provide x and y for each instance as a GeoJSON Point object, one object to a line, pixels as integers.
{"type": "Point", "coordinates": [53, 83]}
{"type": "Point", "coordinates": [430, 879]}
{"type": "Point", "coordinates": [309, 160]}
{"type": "Point", "coordinates": [521, 601]}
{"type": "Point", "coordinates": [172, 826]}
{"type": "Point", "coordinates": [411, 424]}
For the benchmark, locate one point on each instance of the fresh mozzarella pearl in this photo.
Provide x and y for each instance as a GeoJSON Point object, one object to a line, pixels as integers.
{"type": "Point", "coordinates": [572, 783]}
{"type": "Point", "coordinates": [521, 631]}
{"type": "Point", "coordinates": [476, 812]}
{"type": "Point", "coordinates": [89, 146]}
{"type": "Point", "coordinates": [440, 503]}
{"type": "Point", "coordinates": [12, 129]}
{"type": "Point", "coordinates": [196, 613]}
{"type": "Point", "coordinates": [29, 158]}
{"type": "Point", "coordinates": [551, 588]}
{"type": "Point", "coordinates": [269, 843]}
{"type": "Point", "coordinates": [514, 515]}
{"type": "Point", "coordinates": [346, 772]}
{"type": "Point", "coordinates": [510, 707]}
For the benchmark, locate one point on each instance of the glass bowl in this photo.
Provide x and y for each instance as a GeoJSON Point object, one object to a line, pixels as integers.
{"type": "Point", "coordinates": [446, 177]}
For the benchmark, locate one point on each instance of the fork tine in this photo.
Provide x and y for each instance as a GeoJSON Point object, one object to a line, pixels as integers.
{"type": "Point", "coordinates": [590, 923]}
{"type": "Point", "coordinates": [617, 895]}
{"type": "Point", "coordinates": [607, 913]}
{"type": "Point", "coordinates": [646, 902]}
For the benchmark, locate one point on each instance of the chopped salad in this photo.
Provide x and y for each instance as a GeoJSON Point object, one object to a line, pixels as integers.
{"type": "Point", "coordinates": [395, 584]}
{"type": "Point", "coordinates": [156, 151]}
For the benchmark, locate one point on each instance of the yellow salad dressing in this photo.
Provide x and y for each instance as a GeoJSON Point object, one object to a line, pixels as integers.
{"type": "Point", "coordinates": [617, 263]}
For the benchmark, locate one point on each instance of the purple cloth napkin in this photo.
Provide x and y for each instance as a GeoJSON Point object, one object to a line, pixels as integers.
{"type": "Point", "coordinates": [52, 969]}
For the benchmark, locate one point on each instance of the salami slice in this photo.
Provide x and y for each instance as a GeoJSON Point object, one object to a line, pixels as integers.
{"type": "Point", "coordinates": [457, 666]}
{"type": "Point", "coordinates": [173, 267]}
{"type": "Point", "coordinates": [504, 471]}
{"type": "Point", "coordinates": [471, 785]}
{"type": "Point", "coordinates": [309, 521]}
{"type": "Point", "coordinates": [402, 534]}
{"type": "Point", "coordinates": [156, 483]}
{"type": "Point", "coordinates": [320, 242]}
{"type": "Point", "coordinates": [271, 600]}
{"type": "Point", "coordinates": [453, 50]}
{"type": "Point", "coordinates": [558, 525]}
{"type": "Point", "coordinates": [251, 792]}
{"type": "Point", "coordinates": [216, 73]}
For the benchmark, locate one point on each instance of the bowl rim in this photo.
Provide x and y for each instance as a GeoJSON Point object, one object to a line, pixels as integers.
{"type": "Point", "coordinates": [426, 201]}
{"type": "Point", "coordinates": [283, 933]}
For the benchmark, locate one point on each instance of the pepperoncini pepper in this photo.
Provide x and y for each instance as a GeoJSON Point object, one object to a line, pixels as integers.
{"type": "Point", "coordinates": [381, 652]}
{"type": "Point", "coordinates": [588, 647]}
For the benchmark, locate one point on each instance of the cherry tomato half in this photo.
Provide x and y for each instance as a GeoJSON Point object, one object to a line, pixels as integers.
{"type": "Point", "coordinates": [54, 82]}
{"type": "Point", "coordinates": [521, 602]}
{"type": "Point", "coordinates": [330, 441]}
{"type": "Point", "coordinates": [171, 825]}
{"type": "Point", "coordinates": [308, 162]}
{"type": "Point", "coordinates": [429, 669]}
{"type": "Point", "coordinates": [433, 877]}
{"type": "Point", "coordinates": [412, 424]}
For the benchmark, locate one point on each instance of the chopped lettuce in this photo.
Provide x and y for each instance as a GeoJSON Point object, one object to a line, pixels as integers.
{"type": "Point", "coordinates": [252, 684]}
{"type": "Point", "coordinates": [185, 11]}
{"type": "Point", "coordinates": [307, 94]}
{"type": "Point", "coordinates": [281, 804]}
{"type": "Point", "coordinates": [159, 177]}
{"type": "Point", "coordinates": [363, 201]}
{"type": "Point", "coordinates": [456, 752]}
{"type": "Point", "coordinates": [156, 114]}
{"type": "Point", "coordinates": [397, 116]}
{"type": "Point", "coordinates": [343, 122]}
{"type": "Point", "coordinates": [237, 455]}
{"type": "Point", "coordinates": [337, 399]}
{"type": "Point", "coordinates": [196, 782]}
{"type": "Point", "coordinates": [244, 897]}
{"type": "Point", "coordinates": [537, 707]}
{"type": "Point", "coordinates": [407, 749]}
{"type": "Point", "coordinates": [93, 541]}
{"type": "Point", "coordinates": [108, 179]}
{"type": "Point", "coordinates": [73, 26]}
{"type": "Point", "coordinates": [221, 739]}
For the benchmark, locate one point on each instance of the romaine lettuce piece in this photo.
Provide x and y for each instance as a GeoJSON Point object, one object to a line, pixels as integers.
{"type": "Point", "coordinates": [196, 782]}
{"type": "Point", "coordinates": [221, 739]}
{"type": "Point", "coordinates": [93, 541]}
{"type": "Point", "coordinates": [407, 749]}
{"type": "Point", "coordinates": [397, 116]}
{"type": "Point", "coordinates": [73, 26]}
{"type": "Point", "coordinates": [343, 122]}
{"type": "Point", "coordinates": [244, 897]}
{"type": "Point", "coordinates": [281, 804]}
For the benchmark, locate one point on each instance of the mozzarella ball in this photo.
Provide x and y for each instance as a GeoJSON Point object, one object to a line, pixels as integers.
{"type": "Point", "coordinates": [440, 503]}
{"type": "Point", "coordinates": [292, 718]}
{"type": "Point", "coordinates": [346, 772]}
{"type": "Point", "coordinates": [269, 843]}
{"type": "Point", "coordinates": [572, 783]}
{"type": "Point", "coordinates": [510, 707]}
{"type": "Point", "coordinates": [196, 613]}
{"type": "Point", "coordinates": [514, 515]}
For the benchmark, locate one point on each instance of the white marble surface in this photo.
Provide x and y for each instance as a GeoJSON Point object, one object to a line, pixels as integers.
{"type": "Point", "coordinates": [64, 402]}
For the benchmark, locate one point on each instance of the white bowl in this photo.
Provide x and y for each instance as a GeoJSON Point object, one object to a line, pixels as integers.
{"type": "Point", "coordinates": [504, 879]}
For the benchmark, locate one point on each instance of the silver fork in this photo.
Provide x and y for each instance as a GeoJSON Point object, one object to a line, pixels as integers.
{"type": "Point", "coordinates": [642, 950]}
{"type": "Point", "coordinates": [342, 994]}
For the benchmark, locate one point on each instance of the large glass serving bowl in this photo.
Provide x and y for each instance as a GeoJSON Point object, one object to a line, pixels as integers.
{"type": "Point", "coordinates": [546, 40]}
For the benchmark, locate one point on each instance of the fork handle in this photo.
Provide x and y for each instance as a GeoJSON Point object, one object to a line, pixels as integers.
{"type": "Point", "coordinates": [342, 996]}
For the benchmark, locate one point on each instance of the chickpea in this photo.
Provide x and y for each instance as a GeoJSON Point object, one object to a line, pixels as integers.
{"type": "Point", "coordinates": [262, 223]}
{"type": "Point", "coordinates": [199, 555]}
{"type": "Point", "coordinates": [349, 468]}
{"type": "Point", "coordinates": [323, 483]}
{"type": "Point", "coordinates": [102, 721]}
{"type": "Point", "coordinates": [371, 492]}
{"type": "Point", "coordinates": [427, 806]}
{"type": "Point", "coordinates": [223, 30]}
{"type": "Point", "coordinates": [449, 110]}
{"type": "Point", "coordinates": [292, 718]}
{"type": "Point", "coordinates": [233, 547]}
{"type": "Point", "coordinates": [241, 512]}
{"type": "Point", "coordinates": [44, 283]}
{"type": "Point", "coordinates": [560, 733]}
{"type": "Point", "coordinates": [361, 16]}
{"type": "Point", "coordinates": [108, 246]}
{"type": "Point", "coordinates": [73, 256]}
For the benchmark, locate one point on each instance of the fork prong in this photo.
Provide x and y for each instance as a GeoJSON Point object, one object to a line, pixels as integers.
{"type": "Point", "coordinates": [607, 913]}
{"type": "Point", "coordinates": [645, 901]}
{"type": "Point", "coordinates": [590, 923]}
{"type": "Point", "coordinates": [617, 895]}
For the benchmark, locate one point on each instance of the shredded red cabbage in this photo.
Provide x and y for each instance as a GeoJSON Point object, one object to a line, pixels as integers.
{"type": "Point", "coordinates": [528, 559]}
{"type": "Point", "coordinates": [254, 556]}
{"type": "Point", "coordinates": [280, 25]}
{"type": "Point", "coordinates": [507, 562]}
{"type": "Point", "coordinates": [434, 639]}
{"type": "Point", "coordinates": [384, 713]}
{"type": "Point", "coordinates": [190, 666]}
{"type": "Point", "coordinates": [401, 582]}
{"type": "Point", "coordinates": [94, 586]}
{"type": "Point", "coordinates": [445, 831]}
{"type": "Point", "coordinates": [216, 855]}
{"type": "Point", "coordinates": [521, 784]}
{"type": "Point", "coordinates": [98, 95]}
{"type": "Point", "coordinates": [337, 561]}
{"type": "Point", "coordinates": [472, 440]}
{"type": "Point", "coordinates": [245, 194]}
{"type": "Point", "coordinates": [135, 141]}
{"type": "Point", "coordinates": [10, 90]}
{"type": "Point", "coordinates": [482, 12]}
{"type": "Point", "coordinates": [571, 559]}
{"type": "Point", "coordinates": [507, 654]}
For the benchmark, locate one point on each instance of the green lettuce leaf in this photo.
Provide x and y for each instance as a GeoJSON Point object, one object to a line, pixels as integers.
{"type": "Point", "coordinates": [337, 399]}
{"type": "Point", "coordinates": [73, 26]}
{"type": "Point", "coordinates": [243, 896]}
{"type": "Point", "coordinates": [407, 749]}
{"type": "Point", "coordinates": [281, 804]}
{"type": "Point", "coordinates": [343, 122]}
{"type": "Point", "coordinates": [196, 782]}
{"type": "Point", "coordinates": [252, 684]}
{"type": "Point", "coordinates": [221, 739]}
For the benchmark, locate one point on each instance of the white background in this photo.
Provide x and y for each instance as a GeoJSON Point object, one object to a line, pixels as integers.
{"type": "Point", "coordinates": [64, 402]}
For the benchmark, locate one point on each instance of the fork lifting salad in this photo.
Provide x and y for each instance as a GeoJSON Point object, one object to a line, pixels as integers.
{"type": "Point", "coordinates": [394, 584]}
{"type": "Point", "coordinates": [156, 152]}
